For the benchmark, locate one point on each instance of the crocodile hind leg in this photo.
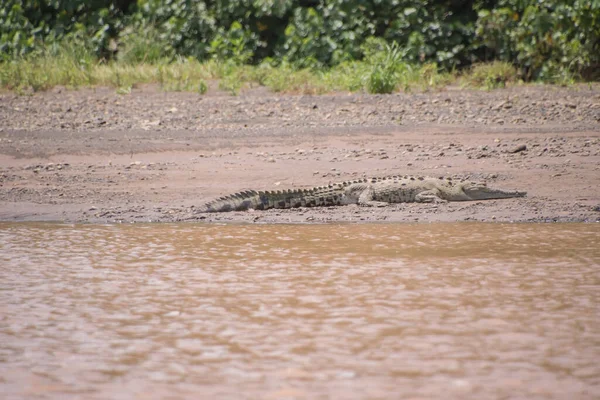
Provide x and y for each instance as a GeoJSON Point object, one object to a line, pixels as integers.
{"type": "Point", "coordinates": [366, 199]}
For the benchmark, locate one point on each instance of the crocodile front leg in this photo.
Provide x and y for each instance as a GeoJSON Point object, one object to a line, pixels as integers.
{"type": "Point", "coordinates": [429, 196]}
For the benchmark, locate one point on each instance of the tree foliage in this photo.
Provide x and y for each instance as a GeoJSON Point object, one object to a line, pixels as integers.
{"type": "Point", "coordinates": [544, 39]}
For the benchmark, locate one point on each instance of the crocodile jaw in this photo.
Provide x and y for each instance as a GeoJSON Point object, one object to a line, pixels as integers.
{"type": "Point", "coordinates": [479, 191]}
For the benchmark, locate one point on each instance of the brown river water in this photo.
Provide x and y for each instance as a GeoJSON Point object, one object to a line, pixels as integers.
{"type": "Point", "coordinates": [390, 311]}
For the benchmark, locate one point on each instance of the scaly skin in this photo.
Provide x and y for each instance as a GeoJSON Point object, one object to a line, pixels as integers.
{"type": "Point", "coordinates": [366, 192]}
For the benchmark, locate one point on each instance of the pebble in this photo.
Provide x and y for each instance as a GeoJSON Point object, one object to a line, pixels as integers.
{"type": "Point", "coordinates": [518, 149]}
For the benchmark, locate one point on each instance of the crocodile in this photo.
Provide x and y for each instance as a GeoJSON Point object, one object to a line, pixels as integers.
{"type": "Point", "coordinates": [375, 192]}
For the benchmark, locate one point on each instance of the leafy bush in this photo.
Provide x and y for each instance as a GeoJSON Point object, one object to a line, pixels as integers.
{"type": "Point", "coordinates": [493, 75]}
{"type": "Point", "coordinates": [550, 40]}
{"type": "Point", "coordinates": [26, 24]}
{"type": "Point", "coordinates": [386, 71]}
{"type": "Point", "coordinates": [187, 26]}
{"type": "Point", "coordinates": [329, 34]}
{"type": "Point", "coordinates": [234, 45]}
{"type": "Point", "coordinates": [143, 44]}
{"type": "Point", "coordinates": [433, 31]}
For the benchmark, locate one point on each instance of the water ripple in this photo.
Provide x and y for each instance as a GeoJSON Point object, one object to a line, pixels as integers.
{"type": "Point", "coordinates": [343, 311]}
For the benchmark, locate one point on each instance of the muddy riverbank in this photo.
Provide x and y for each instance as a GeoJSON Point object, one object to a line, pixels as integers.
{"type": "Point", "coordinates": [96, 156]}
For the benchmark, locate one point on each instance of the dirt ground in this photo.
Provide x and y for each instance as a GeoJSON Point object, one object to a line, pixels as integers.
{"type": "Point", "coordinates": [93, 155]}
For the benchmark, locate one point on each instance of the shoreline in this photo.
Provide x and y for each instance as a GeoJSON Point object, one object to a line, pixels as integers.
{"type": "Point", "coordinates": [94, 156]}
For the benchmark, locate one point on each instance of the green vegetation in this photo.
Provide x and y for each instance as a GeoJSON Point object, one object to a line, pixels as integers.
{"type": "Point", "coordinates": [308, 46]}
{"type": "Point", "coordinates": [493, 75]}
{"type": "Point", "coordinates": [73, 67]}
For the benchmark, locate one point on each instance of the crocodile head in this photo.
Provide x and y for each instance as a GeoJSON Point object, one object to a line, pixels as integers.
{"type": "Point", "coordinates": [480, 191]}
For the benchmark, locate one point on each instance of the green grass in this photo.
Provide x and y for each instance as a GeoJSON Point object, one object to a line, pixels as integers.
{"type": "Point", "coordinates": [494, 75]}
{"type": "Point", "coordinates": [383, 71]}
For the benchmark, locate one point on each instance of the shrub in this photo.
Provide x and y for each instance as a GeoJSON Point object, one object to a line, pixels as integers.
{"type": "Point", "coordinates": [143, 44]}
{"type": "Point", "coordinates": [493, 75]}
{"type": "Point", "coordinates": [548, 40]}
{"type": "Point", "coordinates": [27, 24]}
{"type": "Point", "coordinates": [386, 71]}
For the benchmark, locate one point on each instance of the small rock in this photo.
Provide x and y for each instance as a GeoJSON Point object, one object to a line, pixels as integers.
{"type": "Point", "coordinates": [498, 106]}
{"type": "Point", "coordinates": [518, 149]}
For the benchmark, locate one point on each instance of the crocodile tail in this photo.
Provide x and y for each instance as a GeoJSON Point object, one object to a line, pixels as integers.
{"type": "Point", "coordinates": [258, 200]}
{"type": "Point", "coordinates": [240, 201]}
{"type": "Point", "coordinates": [294, 198]}
{"type": "Point", "coordinates": [283, 199]}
